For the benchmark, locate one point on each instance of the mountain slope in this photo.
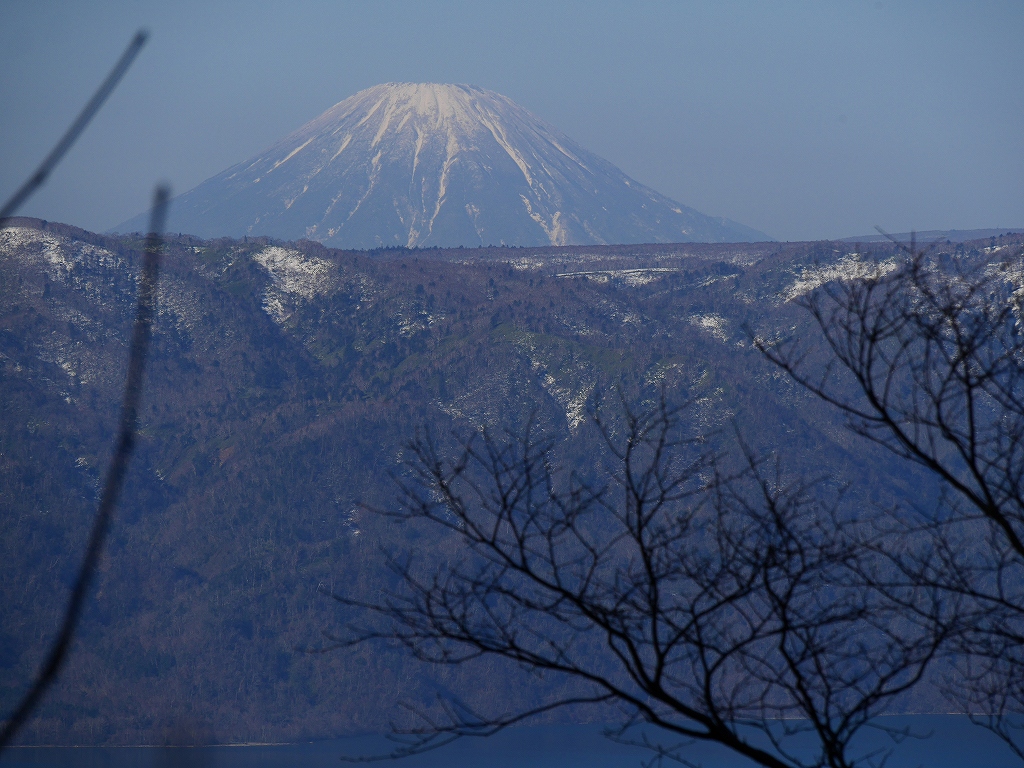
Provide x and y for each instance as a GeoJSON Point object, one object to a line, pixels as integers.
{"type": "Point", "coordinates": [283, 386]}
{"type": "Point", "coordinates": [436, 165]}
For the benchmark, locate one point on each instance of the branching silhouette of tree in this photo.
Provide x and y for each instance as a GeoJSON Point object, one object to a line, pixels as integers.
{"type": "Point", "coordinates": [926, 358]}
{"type": "Point", "coordinates": [141, 331]}
{"type": "Point", "coordinates": [717, 606]}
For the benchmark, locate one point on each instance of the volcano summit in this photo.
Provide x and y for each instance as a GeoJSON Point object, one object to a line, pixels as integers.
{"type": "Point", "coordinates": [436, 165]}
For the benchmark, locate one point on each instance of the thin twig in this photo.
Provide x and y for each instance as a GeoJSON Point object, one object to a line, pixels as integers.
{"type": "Point", "coordinates": [115, 473]}
{"type": "Point", "coordinates": [38, 178]}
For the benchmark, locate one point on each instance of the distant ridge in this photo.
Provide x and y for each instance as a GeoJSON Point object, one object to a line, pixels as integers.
{"type": "Point", "coordinates": [411, 165]}
{"type": "Point", "coordinates": [936, 235]}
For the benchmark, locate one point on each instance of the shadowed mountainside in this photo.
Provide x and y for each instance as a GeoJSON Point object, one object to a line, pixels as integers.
{"type": "Point", "coordinates": [285, 382]}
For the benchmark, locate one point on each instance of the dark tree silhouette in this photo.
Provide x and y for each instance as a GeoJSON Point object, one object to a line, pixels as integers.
{"type": "Point", "coordinates": [42, 173]}
{"type": "Point", "coordinates": [926, 358]}
{"type": "Point", "coordinates": [115, 476]}
{"type": "Point", "coordinates": [718, 606]}
{"type": "Point", "coordinates": [132, 391]}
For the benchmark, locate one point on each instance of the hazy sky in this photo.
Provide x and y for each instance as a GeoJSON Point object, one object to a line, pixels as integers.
{"type": "Point", "coordinates": [803, 119]}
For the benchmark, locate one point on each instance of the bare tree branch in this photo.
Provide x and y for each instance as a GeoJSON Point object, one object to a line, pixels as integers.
{"type": "Point", "coordinates": [714, 604]}
{"type": "Point", "coordinates": [116, 470]}
{"type": "Point", "coordinates": [927, 361]}
{"type": "Point", "coordinates": [70, 136]}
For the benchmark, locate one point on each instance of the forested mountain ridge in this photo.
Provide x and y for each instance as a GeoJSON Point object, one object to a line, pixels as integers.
{"type": "Point", "coordinates": [284, 382]}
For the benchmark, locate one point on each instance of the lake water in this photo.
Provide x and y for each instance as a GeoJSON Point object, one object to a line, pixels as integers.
{"type": "Point", "coordinates": [952, 742]}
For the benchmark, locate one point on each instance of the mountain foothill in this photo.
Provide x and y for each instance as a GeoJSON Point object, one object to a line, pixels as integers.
{"type": "Point", "coordinates": [285, 382]}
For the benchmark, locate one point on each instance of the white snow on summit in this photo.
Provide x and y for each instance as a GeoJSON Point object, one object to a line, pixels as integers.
{"type": "Point", "coordinates": [425, 164]}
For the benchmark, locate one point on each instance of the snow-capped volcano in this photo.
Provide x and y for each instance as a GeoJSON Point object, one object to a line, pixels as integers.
{"type": "Point", "coordinates": [435, 165]}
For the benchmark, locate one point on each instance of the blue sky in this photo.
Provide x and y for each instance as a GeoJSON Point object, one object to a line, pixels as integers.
{"type": "Point", "coordinates": [802, 119]}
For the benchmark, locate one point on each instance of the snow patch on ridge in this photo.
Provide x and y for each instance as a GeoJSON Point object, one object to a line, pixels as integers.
{"type": "Point", "coordinates": [292, 273]}
{"type": "Point", "coordinates": [631, 277]}
{"type": "Point", "coordinates": [713, 324]}
{"type": "Point", "coordinates": [850, 267]}
{"type": "Point", "coordinates": [58, 254]}
{"type": "Point", "coordinates": [296, 273]}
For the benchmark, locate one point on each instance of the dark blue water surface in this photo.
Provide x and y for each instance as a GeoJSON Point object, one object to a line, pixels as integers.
{"type": "Point", "coordinates": [941, 741]}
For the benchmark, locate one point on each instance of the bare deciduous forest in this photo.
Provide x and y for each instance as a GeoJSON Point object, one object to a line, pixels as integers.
{"type": "Point", "coordinates": [286, 383]}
